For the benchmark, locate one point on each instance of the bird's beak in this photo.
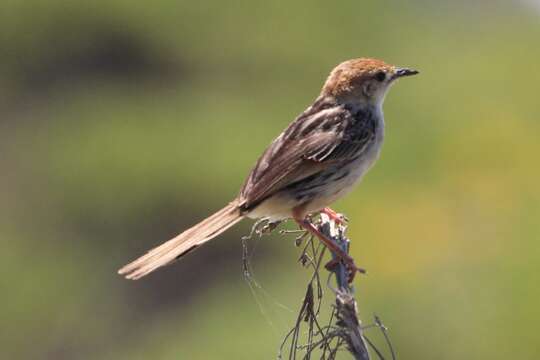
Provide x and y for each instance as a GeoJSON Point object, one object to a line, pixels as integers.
{"type": "Point", "coordinates": [401, 72]}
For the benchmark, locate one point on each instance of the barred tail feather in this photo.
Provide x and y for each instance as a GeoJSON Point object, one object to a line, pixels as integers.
{"type": "Point", "coordinates": [187, 241]}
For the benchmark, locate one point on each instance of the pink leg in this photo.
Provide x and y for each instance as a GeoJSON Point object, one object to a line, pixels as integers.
{"type": "Point", "coordinates": [334, 215]}
{"type": "Point", "coordinates": [330, 244]}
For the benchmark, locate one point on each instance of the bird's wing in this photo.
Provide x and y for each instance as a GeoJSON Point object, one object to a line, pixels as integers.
{"type": "Point", "coordinates": [312, 143]}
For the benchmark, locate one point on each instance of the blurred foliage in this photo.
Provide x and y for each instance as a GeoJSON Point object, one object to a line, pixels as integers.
{"type": "Point", "coordinates": [123, 122]}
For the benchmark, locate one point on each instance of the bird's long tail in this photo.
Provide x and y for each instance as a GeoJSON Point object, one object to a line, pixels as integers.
{"type": "Point", "coordinates": [187, 241]}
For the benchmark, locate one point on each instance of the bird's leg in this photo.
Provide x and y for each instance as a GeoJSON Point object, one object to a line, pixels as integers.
{"type": "Point", "coordinates": [338, 218]}
{"type": "Point", "coordinates": [341, 220]}
{"type": "Point", "coordinates": [330, 244]}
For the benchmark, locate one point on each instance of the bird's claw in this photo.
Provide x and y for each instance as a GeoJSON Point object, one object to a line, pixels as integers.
{"type": "Point", "coordinates": [340, 219]}
{"type": "Point", "coordinates": [352, 269]}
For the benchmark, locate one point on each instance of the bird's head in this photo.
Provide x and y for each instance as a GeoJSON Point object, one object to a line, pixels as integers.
{"type": "Point", "coordinates": [363, 81]}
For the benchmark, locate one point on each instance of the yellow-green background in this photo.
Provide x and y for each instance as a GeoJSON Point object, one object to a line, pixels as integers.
{"type": "Point", "coordinates": [123, 122]}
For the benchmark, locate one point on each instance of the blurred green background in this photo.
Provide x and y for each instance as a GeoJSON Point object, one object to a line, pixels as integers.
{"type": "Point", "coordinates": [124, 122]}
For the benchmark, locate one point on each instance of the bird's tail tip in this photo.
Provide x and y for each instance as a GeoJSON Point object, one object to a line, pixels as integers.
{"type": "Point", "coordinates": [186, 242]}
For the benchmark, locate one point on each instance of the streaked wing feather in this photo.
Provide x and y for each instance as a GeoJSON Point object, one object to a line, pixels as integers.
{"type": "Point", "coordinates": [306, 147]}
{"type": "Point", "coordinates": [285, 168]}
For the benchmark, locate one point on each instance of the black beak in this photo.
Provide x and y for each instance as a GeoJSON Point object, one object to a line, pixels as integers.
{"type": "Point", "coordinates": [401, 72]}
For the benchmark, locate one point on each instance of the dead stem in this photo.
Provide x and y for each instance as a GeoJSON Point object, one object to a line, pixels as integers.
{"type": "Point", "coordinates": [344, 330]}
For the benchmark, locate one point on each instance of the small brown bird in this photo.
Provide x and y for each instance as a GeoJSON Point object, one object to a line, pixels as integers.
{"type": "Point", "coordinates": [314, 162]}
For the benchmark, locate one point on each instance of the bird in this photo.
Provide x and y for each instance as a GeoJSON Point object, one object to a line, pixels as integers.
{"type": "Point", "coordinates": [315, 161]}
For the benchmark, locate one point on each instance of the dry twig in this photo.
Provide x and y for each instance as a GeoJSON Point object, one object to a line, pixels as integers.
{"type": "Point", "coordinates": [344, 329]}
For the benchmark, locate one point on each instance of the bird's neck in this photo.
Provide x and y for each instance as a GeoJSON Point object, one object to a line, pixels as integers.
{"type": "Point", "coordinates": [374, 108]}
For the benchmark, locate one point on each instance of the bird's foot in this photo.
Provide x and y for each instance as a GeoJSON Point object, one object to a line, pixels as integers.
{"type": "Point", "coordinates": [352, 269]}
{"type": "Point", "coordinates": [339, 254]}
{"type": "Point", "coordinates": [337, 217]}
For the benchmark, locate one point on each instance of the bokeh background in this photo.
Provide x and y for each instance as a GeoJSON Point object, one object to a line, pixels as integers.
{"type": "Point", "coordinates": [123, 122]}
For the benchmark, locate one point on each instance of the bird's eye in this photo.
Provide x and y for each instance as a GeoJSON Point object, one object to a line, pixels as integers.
{"type": "Point", "coordinates": [380, 76]}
